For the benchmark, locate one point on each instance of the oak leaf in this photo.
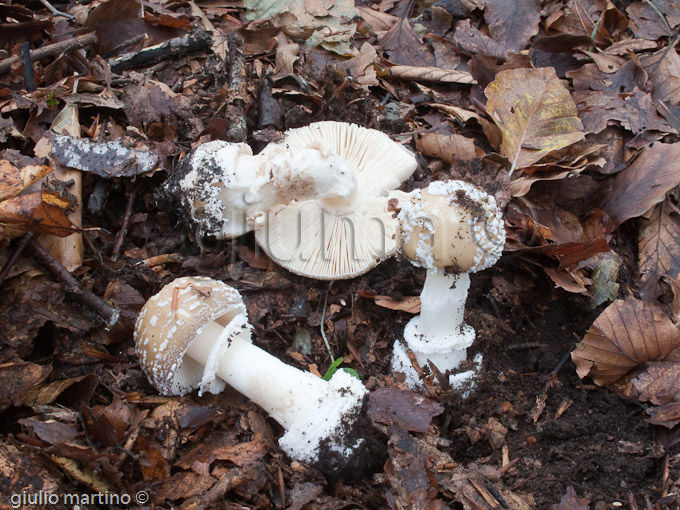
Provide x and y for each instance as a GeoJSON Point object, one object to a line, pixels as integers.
{"type": "Point", "coordinates": [626, 334]}
{"type": "Point", "coordinates": [535, 113]}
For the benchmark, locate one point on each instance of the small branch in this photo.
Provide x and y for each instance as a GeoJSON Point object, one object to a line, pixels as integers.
{"type": "Point", "coordinates": [323, 318]}
{"type": "Point", "coordinates": [85, 296]}
{"type": "Point", "coordinates": [124, 226]}
{"type": "Point", "coordinates": [51, 50]}
{"type": "Point", "coordinates": [15, 256]}
{"type": "Point", "coordinates": [173, 48]}
{"type": "Point", "coordinates": [56, 12]}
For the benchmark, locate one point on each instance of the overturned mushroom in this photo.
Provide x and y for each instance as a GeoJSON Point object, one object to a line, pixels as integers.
{"type": "Point", "coordinates": [195, 334]}
{"type": "Point", "coordinates": [452, 229]}
{"type": "Point", "coordinates": [223, 187]}
{"type": "Point", "coordinates": [333, 237]}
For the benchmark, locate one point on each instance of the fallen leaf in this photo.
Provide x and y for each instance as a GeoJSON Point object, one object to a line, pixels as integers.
{"type": "Point", "coordinates": [667, 415]}
{"type": "Point", "coordinates": [644, 183]}
{"type": "Point", "coordinates": [659, 383]}
{"type": "Point", "coordinates": [448, 148]}
{"type": "Point", "coordinates": [409, 304]}
{"type": "Point", "coordinates": [214, 448]}
{"type": "Point", "coordinates": [658, 249]}
{"type": "Point", "coordinates": [571, 501]}
{"type": "Point", "coordinates": [14, 180]}
{"type": "Point", "coordinates": [362, 67]}
{"type": "Point", "coordinates": [405, 47]}
{"type": "Point", "coordinates": [17, 380]}
{"type": "Point", "coordinates": [512, 22]}
{"type": "Point", "coordinates": [474, 42]}
{"type": "Point", "coordinates": [646, 22]}
{"type": "Point", "coordinates": [663, 68]}
{"type": "Point", "coordinates": [324, 22]}
{"type": "Point", "coordinates": [38, 212]}
{"type": "Point", "coordinates": [627, 333]}
{"type": "Point", "coordinates": [51, 432]}
{"type": "Point", "coordinates": [535, 113]}
{"type": "Point", "coordinates": [604, 287]}
{"type": "Point", "coordinates": [429, 74]}
{"type": "Point", "coordinates": [406, 409]}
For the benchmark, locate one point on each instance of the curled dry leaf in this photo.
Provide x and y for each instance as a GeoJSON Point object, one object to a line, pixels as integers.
{"type": "Point", "coordinates": [627, 333]}
{"type": "Point", "coordinates": [418, 73]}
{"type": "Point", "coordinates": [535, 113]}
{"type": "Point", "coordinates": [448, 148]}
{"type": "Point", "coordinates": [409, 304]}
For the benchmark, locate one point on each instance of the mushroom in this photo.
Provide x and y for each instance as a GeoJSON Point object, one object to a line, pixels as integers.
{"type": "Point", "coordinates": [342, 236]}
{"type": "Point", "coordinates": [452, 229]}
{"type": "Point", "coordinates": [195, 334]}
{"type": "Point", "coordinates": [223, 187]}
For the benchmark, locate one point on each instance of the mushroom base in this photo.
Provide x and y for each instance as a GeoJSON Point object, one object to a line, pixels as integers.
{"type": "Point", "coordinates": [444, 352]}
{"type": "Point", "coordinates": [327, 433]}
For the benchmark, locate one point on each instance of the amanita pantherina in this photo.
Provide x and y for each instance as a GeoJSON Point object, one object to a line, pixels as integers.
{"type": "Point", "coordinates": [195, 334]}
{"type": "Point", "coordinates": [336, 237]}
{"type": "Point", "coordinates": [452, 229]}
{"type": "Point", "coordinates": [223, 187]}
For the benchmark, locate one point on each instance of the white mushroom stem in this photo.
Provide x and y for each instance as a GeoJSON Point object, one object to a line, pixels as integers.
{"type": "Point", "coordinates": [287, 394]}
{"type": "Point", "coordinates": [442, 303]}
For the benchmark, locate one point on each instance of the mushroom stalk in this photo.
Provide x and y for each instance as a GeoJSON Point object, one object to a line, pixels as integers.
{"type": "Point", "coordinates": [287, 394]}
{"type": "Point", "coordinates": [442, 303]}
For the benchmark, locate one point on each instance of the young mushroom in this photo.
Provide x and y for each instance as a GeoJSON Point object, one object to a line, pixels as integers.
{"type": "Point", "coordinates": [195, 334]}
{"type": "Point", "coordinates": [223, 187]}
{"type": "Point", "coordinates": [342, 236]}
{"type": "Point", "coordinates": [452, 229]}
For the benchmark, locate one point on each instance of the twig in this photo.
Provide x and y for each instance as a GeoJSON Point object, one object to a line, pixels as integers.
{"type": "Point", "coordinates": [130, 42]}
{"type": "Point", "coordinates": [29, 76]}
{"type": "Point", "coordinates": [236, 86]}
{"type": "Point", "coordinates": [51, 50]}
{"type": "Point", "coordinates": [124, 226]}
{"type": "Point", "coordinates": [56, 12]}
{"type": "Point", "coordinates": [195, 41]}
{"type": "Point", "coordinates": [85, 296]}
{"type": "Point", "coordinates": [15, 256]}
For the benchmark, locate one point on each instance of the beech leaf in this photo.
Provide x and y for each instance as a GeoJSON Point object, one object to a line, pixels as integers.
{"type": "Point", "coordinates": [658, 250]}
{"type": "Point", "coordinates": [38, 212]}
{"type": "Point", "coordinates": [535, 113]}
{"type": "Point", "coordinates": [659, 384]}
{"type": "Point", "coordinates": [644, 183]}
{"type": "Point", "coordinates": [627, 333]}
{"type": "Point", "coordinates": [512, 22]}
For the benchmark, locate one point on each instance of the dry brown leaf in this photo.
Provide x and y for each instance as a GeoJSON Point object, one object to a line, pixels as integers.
{"type": "Point", "coordinates": [448, 148]}
{"type": "Point", "coordinates": [535, 113]}
{"type": "Point", "coordinates": [405, 409]}
{"type": "Point", "coordinates": [627, 333]}
{"type": "Point", "coordinates": [658, 249]}
{"type": "Point", "coordinates": [405, 47]}
{"type": "Point", "coordinates": [409, 304]}
{"type": "Point", "coordinates": [644, 183]}
{"type": "Point", "coordinates": [14, 180]}
{"type": "Point", "coordinates": [429, 74]}
{"type": "Point", "coordinates": [512, 22]}
{"type": "Point", "coordinates": [362, 67]}
{"type": "Point", "coordinates": [473, 41]}
{"type": "Point", "coordinates": [38, 212]}
{"type": "Point", "coordinates": [660, 383]}
{"type": "Point", "coordinates": [379, 21]}
{"type": "Point", "coordinates": [663, 69]}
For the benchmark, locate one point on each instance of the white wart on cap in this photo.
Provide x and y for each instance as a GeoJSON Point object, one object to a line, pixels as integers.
{"type": "Point", "coordinates": [341, 237]}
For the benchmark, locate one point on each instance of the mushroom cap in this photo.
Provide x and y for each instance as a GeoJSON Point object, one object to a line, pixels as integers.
{"type": "Point", "coordinates": [330, 239]}
{"type": "Point", "coordinates": [451, 226]}
{"type": "Point", "coordinates": [171, 319]}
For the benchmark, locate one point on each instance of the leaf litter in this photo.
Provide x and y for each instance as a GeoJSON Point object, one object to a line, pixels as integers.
{"type": "Point", "coordinates": [566, 111]}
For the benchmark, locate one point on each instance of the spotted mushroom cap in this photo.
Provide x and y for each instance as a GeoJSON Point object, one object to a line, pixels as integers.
{"type": "Point", "coordinates": [335, 239]}
{"type": "Point", "coordinates": [170, 320]}
{"type": "Point", "coordinates": [451, 226]}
